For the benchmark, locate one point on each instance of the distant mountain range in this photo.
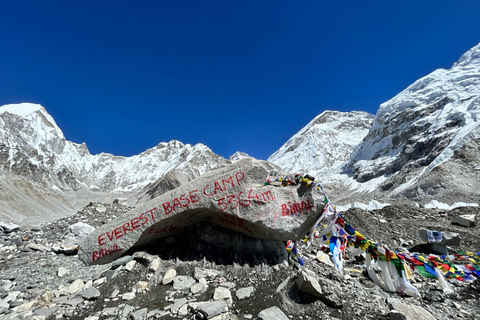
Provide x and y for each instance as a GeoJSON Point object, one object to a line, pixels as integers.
{"type": "Point", "coordinates": [423, 144]}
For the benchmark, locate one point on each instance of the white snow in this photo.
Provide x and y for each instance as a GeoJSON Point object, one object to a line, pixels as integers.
{"type": "Point", "coordinates": [434, 204]}
{"type": "Point", "coordinates": [35, 132]}
{"type": "Point", "coordinates": [20, 109]}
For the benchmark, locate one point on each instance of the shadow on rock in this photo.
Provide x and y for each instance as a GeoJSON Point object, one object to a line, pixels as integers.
{"type": "Point", "coordinates": [212, 243]}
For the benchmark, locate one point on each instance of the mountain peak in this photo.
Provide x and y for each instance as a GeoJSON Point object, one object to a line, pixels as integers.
{"type": "Point", "coordinates": [21, 109]}
{"type": "Point", "coordinates": [472, 56]}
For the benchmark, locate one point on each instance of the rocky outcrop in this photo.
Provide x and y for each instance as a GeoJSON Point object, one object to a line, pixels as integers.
{"type": "Point", "coordinates": [233, 197]}
{"type": "Point", "coordinates": [419, 139]}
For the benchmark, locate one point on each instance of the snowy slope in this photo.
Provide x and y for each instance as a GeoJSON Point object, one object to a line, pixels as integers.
{"type": "Point", "coordinates": [35, 155]}
{"type": "Point", "coordinates": [323, 146]}
{"type": "Point", "coordinates": [422, 128]}
{"type": "Point", "coordinates": [30, 136]}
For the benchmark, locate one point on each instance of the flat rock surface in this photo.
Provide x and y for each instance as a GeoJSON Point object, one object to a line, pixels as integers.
{"type": "Point", "coordinates": [233, 197]}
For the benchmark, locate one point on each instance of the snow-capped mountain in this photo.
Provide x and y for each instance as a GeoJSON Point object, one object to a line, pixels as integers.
{"type": "Point", "coordinates": [323, 146]}
{"type": "Point", "coordinates": [34, 150]}
{"type": "Point", "coordinates": [424, 141]}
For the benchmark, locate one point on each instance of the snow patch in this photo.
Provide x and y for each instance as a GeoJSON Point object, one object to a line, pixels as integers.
{"type": "Point", "coordinates": [372, 205]}
{"type": "Point", "coordinates": [434, 204]}
{"type": "Point", "coordinates": [21, 109]}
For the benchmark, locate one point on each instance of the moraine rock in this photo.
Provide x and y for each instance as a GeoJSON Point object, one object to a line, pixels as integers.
{"type": "Point", "coordinates": [232, 197]}
{"type": "Point", "coordinates": [466, 220]}
{"type": "Point", "coordinates": [244, 293]}
{"type": "Point", "coordinates": [8, 227]}
{"type": "Point", "coordinates": [169, 276]}
{"type": "Point", "coordinates": [272, 313]}
{"type": "Point", "coordinates": [183, 283]}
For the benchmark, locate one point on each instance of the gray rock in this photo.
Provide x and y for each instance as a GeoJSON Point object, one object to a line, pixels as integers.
{"type": "Point", "coordinates": [212, 309]}
{"type": "Point", "coordinates": [91, 293]}
{"type": "Point", "coordinates": [80, 229]}
{"type": "Point", "coordinates": [228, 197]}
{"type": "Point", "coordinates": [128, 296]}
{"type": "Point", "coordinates": [308, 284]}
{"type": "Point", "coordinates": [244, 293]}
{"type": "Point", "coordinates": [169, 276]}
{"type": "Point", "coordinates": [408, 310]}
{"type": "Point", "coordinates": [127, 310]}
{"type": "Point", "coordinates": [9, 227]}
{"type": "Point", "coordinates": [76, 286]}
{"type": "Point", "coordinates": [177, 305]}
{"type": "Point", "coordinates": [121, 201]}
{"type": "Point", "coordinates": [466, 220]}
{"type": "Point", "coordinates": [183, 283]}
{"type": "Point", "coordinates": [143, 257]}
{"type": "Point", "coordinates": [110, 274]}
{"type": "Point", "coordinates": [208, 274]}
{"type": "Point", "coordinates": [38, 247]}
{"type": "Point", "coordinates": [272, 313]}
{"type": "Point", "coordinates": [121, 261]}
{"type": "Point", "coordinates": [139, 314]}
{"type": "Point", "coordinates": [62, 271]}
{"type": "Point", "coordinates": [228, 285]}
{"type": "Point", "coordinates": [198, 288]}
{"type": "Point", "coordinates": [223, 294]}
{"type": "Point", "coordinates": [4, 307]}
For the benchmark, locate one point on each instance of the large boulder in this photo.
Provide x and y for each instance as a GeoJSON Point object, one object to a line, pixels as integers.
{"type": "Point", "coordinates": [233, 197]}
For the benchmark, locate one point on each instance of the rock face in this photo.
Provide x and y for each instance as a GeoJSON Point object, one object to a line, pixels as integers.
{"type": "Point", "coordinates": [425, 140]}
{"type": "Point", "coordinates": [232, 197]}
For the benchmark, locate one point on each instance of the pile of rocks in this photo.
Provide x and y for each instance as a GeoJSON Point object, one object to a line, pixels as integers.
{"type": "Point", "coordinates": [38, 282]}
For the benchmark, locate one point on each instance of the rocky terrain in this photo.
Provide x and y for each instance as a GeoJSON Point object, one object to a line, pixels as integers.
{"type": "Point", "coordinates": [42, 278]}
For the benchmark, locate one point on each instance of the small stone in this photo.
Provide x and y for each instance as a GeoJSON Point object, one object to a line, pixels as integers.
{"type": "Point", "coordinates": [128, 309]}
{"type": "Point", "coordinates": [466, 220]}
{"type": "Point", "coordinates": [75, 287]}
{"type": "Point", "coordinates": [154, 265]}
{"type": "Point", "coordinates": [38, 247]}
{"type": "Point", "coordinates": [91, 293]}
{"type": "Point", "coordinates": [121, 201]}
{"type": "Point", "coordinates": [130, 265]}
{"type": "Point", "coordinates": [223, 294]}
{"type": "Point", "coordinates": [128, 296]}
{"type": "Point", "coordinates": [143, 257]}
{"type": "Point", "coordinates": [169, 276]}
{"type": "Point", "coordinates": [209, 274]}
{"type": "Point", "coordinates": [99, 282]}
{"type": "Point", "coordinates": [114, 293]}
{"type": "Point", "coordinates": [183, 283]}
{"type": "Point", "coordinates": [272, 313]}
{"type": "Point", "coordinates": [9, 227]}
{"type": "Point", "coordinates": [121, 261]}
{"type": "Point", "coordinates": [244, 293]}
{"type": "Point", "coordinates": [308, 284]}
{"type": "Point", "coordinates": [4, 307]}
{"type": "Point", "coordinates": [141, 286]}
{"type": "Point", "coordinates": [177, 305]}
{"type": "Point", "coordinates": [324, 258]}
{"type": "Point", "coordinates": [183, 311]}
{"type": "Point", "coordinates": [198, 288]}
{"type": "Point", "coordinates": [139, 314]}
{"type": "Point", "coordinates": [100, 208]}
{"type": "Point", "coordinates": [228, 285]}
{"type": "Point", "coordinates": [212, 309]}
{"type": "Point", "coordinates": [62, 271]}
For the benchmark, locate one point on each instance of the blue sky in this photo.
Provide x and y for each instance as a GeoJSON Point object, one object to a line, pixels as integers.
{"type": "Point", "coordinates": [123, 76]}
